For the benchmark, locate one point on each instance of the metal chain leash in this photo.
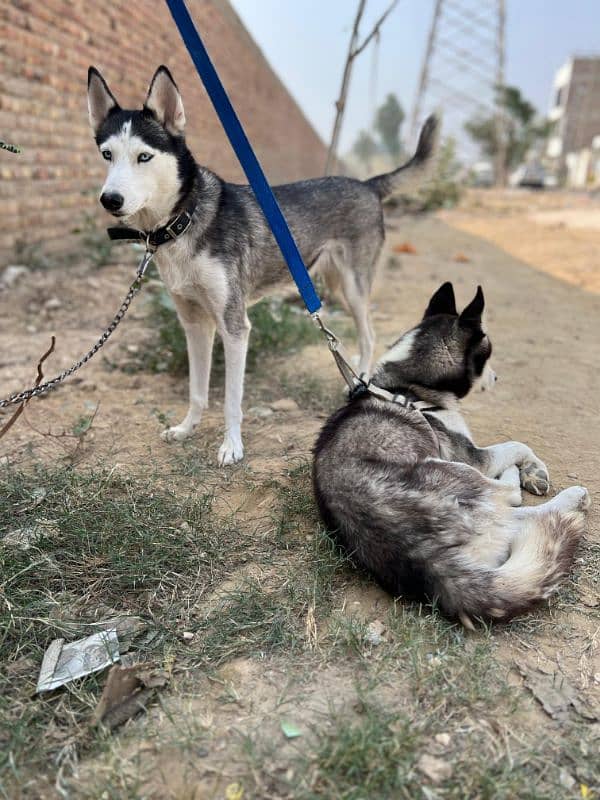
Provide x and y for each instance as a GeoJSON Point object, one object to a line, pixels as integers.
{"type": "Point", "coordinates": [21, 397]}
{"type": "Point", "coordinates": [12, 148]}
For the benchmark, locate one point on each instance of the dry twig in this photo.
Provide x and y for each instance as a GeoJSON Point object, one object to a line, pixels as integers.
{"type": "Point", "coordinates": [40, 376]}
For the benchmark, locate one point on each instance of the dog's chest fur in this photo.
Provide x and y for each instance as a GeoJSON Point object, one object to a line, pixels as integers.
{"type": "Point", "coordinates": [453, 421]}
{"type": "Point", "coordinates": [194, 275]}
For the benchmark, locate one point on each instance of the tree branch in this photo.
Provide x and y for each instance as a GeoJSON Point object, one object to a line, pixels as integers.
{"type": "Point", "coordinates": [376, 28]}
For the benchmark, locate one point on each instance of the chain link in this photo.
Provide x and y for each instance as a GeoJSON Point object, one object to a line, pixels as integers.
{"type": "Point", "coordinates": [23, 397]}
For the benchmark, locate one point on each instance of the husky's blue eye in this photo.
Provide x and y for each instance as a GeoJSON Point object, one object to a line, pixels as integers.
{"type": "Point", "coordinates": [143, 157]}
{"type": "Point", "coordinates": [107, 155]}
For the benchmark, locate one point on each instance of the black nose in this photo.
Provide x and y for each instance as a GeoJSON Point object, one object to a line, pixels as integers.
{"type": "Point", "coordinates": [112, 201]}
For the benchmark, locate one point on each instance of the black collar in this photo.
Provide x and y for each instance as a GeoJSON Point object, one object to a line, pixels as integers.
{"type": "Point", "coordinates": [174, 228]}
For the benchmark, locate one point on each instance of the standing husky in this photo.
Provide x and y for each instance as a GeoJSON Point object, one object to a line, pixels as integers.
{"type": "Point", "coordinates": [429, 514]}
{"type": "Point", "coordinates": [226, 258]}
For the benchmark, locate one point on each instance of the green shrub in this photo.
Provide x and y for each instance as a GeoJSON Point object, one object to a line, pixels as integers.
{"type": "Point", "coordinates": [277, 327]}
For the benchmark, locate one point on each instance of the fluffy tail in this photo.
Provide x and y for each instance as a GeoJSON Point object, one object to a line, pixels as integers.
{"type": "Point", "coordinates": [541, 556]}
{"type": "Point", "coordinates": [411, 175]}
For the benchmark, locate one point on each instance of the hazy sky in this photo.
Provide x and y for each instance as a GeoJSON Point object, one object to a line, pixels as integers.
{"type": "Point", "coordinates": [306, 43]}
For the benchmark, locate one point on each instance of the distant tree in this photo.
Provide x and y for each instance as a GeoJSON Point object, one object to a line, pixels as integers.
{"type": "Point", "coordinates": [364, 148]}
{"type": "Point", "coordinates": [388, 121]}
{"type": "Point", "coordinates": [521, 128]}
{"type": "Point", "coordinates": [443, 190]}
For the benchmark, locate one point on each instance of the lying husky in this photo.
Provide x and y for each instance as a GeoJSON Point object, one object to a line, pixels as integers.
{"type": "Point", "coordinates": [225, 257]}
{"type": "Point", "coordinates": [429, 514]}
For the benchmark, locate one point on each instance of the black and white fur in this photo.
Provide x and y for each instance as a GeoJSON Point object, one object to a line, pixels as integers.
{"type": "Point", "coordinates": [228, 258]}
{"type": "Point", "coordinates": [422, 508]}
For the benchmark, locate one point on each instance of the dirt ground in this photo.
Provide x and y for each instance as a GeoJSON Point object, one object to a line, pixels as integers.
{"type": "Point", "coordinates": [557, 232]}
{"type": "Point", "coordinates": [539, 265]}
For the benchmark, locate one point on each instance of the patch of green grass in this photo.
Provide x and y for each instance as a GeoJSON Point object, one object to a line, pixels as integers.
{"type": "Point", "coordinates": [377, 755]}
{"type": "Point", "coordinates": [374, 747]}
{"type": "Point", "coordinates": [33, 255]}
{"type": "Point", "coordinates": [95, 244]}
{"type": "Point", "coordinates": [361, 758]}
{"type": "Point", "coordinates": [312, 393]}
{"type": "Point", "coordinates": [247, 621]}
{"type": "Point", "coordinates": [78, 548]}
{"type": "Point", "coordinates": [87, 546]}
{"type": "Point", "coordinates": [277, 327]}
{"type": "Point", "coordinates": [296, 499]}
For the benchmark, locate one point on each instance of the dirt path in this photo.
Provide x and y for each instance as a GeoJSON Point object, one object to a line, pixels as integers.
{"type": "Point", "coordinates": [546, 336]}
{"type": "Point", "coordinates": [558, 233]}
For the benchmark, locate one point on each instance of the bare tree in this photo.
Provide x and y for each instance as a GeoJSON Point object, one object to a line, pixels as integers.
{"type": "Point", "coordinates": [354, 50]}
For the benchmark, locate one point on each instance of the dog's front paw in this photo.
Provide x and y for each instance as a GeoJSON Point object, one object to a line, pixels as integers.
{"type": "Point", "coordinates": [230, 451]}
{"type": "Point", "coordinates": [534, 477]}
{"type": "Point", "coordinates": [177, 433]}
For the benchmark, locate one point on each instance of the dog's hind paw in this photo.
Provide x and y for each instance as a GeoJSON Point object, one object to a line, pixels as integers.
{"type": "Point", "coordinates": [230, 451]}
{"type": "Point", "coordinates": [535, 478]}
{"type": "Point", "coordinates": [575, 498]}
{"type": "Point", "coordinates": [176, 434]}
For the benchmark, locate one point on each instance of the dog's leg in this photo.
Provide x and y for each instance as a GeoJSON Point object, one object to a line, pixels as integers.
{"type": "Point", "coordinates": [511, 478]}
{"type": "Point", "coordinates": [235, 346]}
{"type": "Point", "coordinates": [573, 499]}
{"type": "Point", "coordinates": [199, 334]}
{"type": "Point", "coordinates": [507, 484]}
{"type": "Point", "coordinates": [358, 303]}
{"type": "Point", "coordinates": [497, 458]}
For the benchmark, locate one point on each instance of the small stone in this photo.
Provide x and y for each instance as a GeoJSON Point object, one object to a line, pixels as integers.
{"type": "Point", "coordinates": [434, 768]}
{"type": "Point", "coordinates": [584, 748]}
{"type": "Point", "coordinates": [374, 634]}
{"type": "Point", "coordinates": [31, 329]}
{"type": "Point", "coordinates": [260, 411]}
{"type": "Point", "coordinates": [188, 636]}
{"type": "Point", "coordinates": [285, 404]}
{"type": "Point", "coordinates": [566, 780]}
{"type": "Point", "coordinates": [443, 738]}
{"type": "Point", "coordinates": [133, 348]}
{"type": "Point", "coordinates": [12, 274]}
{"type": "Point", "coordinates": [572, 475]}
{"type": "Point", "coordinates": [52, 304]}
{"type": "Point", "coordinates": [590, 600]}
{"type": "Point", "coordinates": [22, 538]}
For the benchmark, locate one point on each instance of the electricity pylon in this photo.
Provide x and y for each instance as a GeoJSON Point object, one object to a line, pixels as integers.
{"type": "Point", "coordinates": [463, 63]}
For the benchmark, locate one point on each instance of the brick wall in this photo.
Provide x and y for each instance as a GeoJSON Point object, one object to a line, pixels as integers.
{"type": "Point", "coordinates": [45, 50]}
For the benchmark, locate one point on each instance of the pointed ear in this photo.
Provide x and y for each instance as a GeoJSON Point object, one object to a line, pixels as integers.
{"type": "Point", "coordinates": [165, 102]}
{"type": "Point", "coordinates": [473, 312]}
{"type": "Point", "coordinates": [101, 101]}
{"type": "Point", "coordinates": [442, 302]}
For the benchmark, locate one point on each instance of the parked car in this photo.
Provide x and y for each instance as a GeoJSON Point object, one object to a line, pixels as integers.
{"type": "Point", "coordinates": [531, 176]}
{"type": "Point", "coordinates": [482, 174]}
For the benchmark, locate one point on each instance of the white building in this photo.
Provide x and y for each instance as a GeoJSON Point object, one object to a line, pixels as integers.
{"type": "Point", "coordinates": [575, 113]}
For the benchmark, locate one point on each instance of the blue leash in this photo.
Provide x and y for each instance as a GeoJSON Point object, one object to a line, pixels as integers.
{"type": "Point", "coordinates": [245, 154]}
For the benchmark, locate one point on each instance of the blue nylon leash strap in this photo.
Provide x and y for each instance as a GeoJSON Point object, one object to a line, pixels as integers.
{"type": "Point", "coordinates": [245, 154]}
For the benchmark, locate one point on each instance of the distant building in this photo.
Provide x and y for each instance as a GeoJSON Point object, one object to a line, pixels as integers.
{"type": "Point", "coordinates": [575, 113]}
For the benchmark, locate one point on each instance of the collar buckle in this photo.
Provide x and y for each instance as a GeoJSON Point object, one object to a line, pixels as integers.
{"type": "Point", "coordinates": [179, 225]}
